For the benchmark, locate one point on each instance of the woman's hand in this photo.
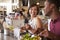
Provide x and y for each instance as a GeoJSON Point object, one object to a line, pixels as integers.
{"type": "Point", "coordinates": [28, 27]}
{"type": "Point", "coordinates": [23, 28]}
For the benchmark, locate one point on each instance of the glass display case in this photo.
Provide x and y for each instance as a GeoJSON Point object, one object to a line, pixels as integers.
{"type": "Point", "coordinates": [2, 12]}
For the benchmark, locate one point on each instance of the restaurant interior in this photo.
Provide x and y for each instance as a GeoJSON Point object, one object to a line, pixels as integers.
{"type": "Point", "coordinates": [14, 16]}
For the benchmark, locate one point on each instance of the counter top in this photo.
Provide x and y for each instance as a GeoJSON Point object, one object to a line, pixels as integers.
{"type": "Point", "coordinates": [4, 37]}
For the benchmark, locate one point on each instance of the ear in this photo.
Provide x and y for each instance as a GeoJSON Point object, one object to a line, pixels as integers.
{"type": "Point", "coordinates": [52, 6]}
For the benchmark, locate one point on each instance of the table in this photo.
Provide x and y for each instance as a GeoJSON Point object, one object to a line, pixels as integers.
{"type": "Point", "coordinates": [5, 37]}
{"type": "Point", "coordinates": [11, 37]}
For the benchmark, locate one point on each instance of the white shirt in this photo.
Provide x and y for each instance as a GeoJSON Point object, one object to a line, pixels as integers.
{"type": "Point", "coordinates": [49, 20]}
{"type": "Point", "coordinates": [32, 23]}
{"type": "Point", "coordinates": [18, 22]}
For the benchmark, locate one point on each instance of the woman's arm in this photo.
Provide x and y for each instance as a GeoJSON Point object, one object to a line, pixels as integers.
{"type": "Point", "coordinates": [38, 26]}
{"type": "Point", "coordinates": [38, 23]}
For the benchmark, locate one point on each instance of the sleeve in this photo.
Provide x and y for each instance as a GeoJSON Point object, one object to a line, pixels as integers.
{"type": "Point", "coordinates": [49, 20]}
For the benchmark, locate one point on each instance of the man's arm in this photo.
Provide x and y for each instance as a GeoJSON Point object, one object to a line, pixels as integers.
{"type": "Point", "coordinates": [50, 35]}
{"type": "Point", "coordinates": [53, 36]}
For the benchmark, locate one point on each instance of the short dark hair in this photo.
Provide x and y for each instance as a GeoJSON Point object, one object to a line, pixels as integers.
{"type": "Point", "coordinates": [33, 5]}
{"type": "Point", "coordinates": [55, 2]}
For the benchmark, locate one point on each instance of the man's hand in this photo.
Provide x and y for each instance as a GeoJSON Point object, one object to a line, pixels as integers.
{"type": "Point", "coordinates": [44, 33]}
{"type": "Point", "coordinates": [50, 35]}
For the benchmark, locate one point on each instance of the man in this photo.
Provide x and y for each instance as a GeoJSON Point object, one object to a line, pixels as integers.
{"type": "Point", "coordinates": [51, 9]}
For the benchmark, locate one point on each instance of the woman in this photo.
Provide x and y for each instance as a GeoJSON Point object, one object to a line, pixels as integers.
{"type": "Point", "coordinates": [35, 24]}
{"type": "Point", "coordinates": [19, 19]}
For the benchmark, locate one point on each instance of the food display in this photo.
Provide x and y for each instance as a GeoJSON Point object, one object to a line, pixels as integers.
{"type": "Point", "coordinates": [11, 28]}
{"type": "Point", "coordinates": [28, 37]}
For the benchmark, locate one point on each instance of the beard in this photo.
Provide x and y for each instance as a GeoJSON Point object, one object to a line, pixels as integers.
{"type": "Point", "coordinates": [48, 13]}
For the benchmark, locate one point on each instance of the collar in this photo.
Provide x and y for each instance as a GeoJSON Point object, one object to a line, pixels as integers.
{"type": "Point", "coordinates": [55, 20]}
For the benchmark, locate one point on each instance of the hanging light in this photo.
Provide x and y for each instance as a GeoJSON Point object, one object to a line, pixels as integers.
{"type": "Point", "coordinates": [37, 3]}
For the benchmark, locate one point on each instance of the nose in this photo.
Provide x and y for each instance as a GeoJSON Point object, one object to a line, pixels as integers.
{"type": "Point", "coordinates": [32, 10]}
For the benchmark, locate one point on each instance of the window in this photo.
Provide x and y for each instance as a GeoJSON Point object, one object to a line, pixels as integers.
{"type": "Point", "coordinates": [14, 1]}
{"type": "Point", "coordinates": [25, 2]}
{"type": "Point", "coordinates": [4, 1]}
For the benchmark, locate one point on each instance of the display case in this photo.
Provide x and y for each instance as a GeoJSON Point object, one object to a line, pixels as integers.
{"type": "Point", "coordinates": [2, 12]}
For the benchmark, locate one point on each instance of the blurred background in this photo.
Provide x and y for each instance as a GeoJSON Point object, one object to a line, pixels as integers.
{"type": "Point", "coordinates": [11, 8]}
{"type": "Point", "coordinates": [8, 6]}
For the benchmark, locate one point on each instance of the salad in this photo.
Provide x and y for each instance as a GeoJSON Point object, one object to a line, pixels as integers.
{"type": "Point", "coordinates": [28, 37]}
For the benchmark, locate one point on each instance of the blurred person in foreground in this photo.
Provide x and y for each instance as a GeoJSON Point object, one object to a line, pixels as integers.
{"type": "Point", "coordinates": [51, 9]}
{"type": "Point", "coordinates": [34, 25]}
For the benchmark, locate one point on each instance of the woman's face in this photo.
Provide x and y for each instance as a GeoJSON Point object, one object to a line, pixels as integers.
{"type": "Point", "coordinates": [33, 11]}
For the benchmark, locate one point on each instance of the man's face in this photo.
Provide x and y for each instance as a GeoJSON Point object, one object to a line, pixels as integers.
{"type": "Point", "coordinates": [47, 8]}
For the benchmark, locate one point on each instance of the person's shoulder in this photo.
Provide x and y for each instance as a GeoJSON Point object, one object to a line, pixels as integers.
{"type": "Point", "coordinates": [38, 18]}
{"type": "Point", "coordinates": [4, 23]}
